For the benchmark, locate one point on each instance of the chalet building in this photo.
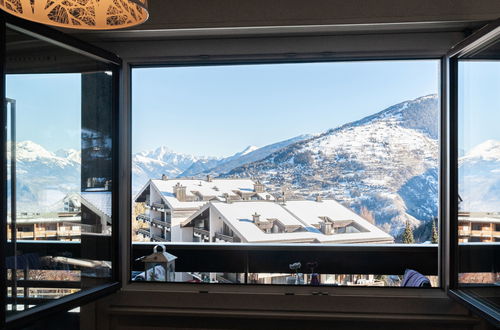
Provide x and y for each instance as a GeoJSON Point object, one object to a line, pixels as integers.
{"type": "Point", "coordinates": [322, 221]}
{"type": "Point", "coordinates": [478, 227]}
{"type": "Point", "coordinates": [169, 202]}
{"type": "Point", "coordinates": [85, 212]}
{"type": "Point", "coordinates": [63, 226]}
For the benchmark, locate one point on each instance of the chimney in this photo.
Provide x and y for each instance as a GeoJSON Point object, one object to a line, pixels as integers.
{"type": "Point", "coordinates": [319, 199]}
{"type": "Point", "coordinates": [258, 187]}
{"type": "Point", "coordinates": [326, 227]}
{"type": "Point", "coordinates": [268, 197]}
{"type": "Point", "coordinates": [209, 178]}
{"type": "Point", "coordinates": [226, 197]}
{"type": "Point", "coordinates": [256, 218]}
{"type": "Point", "coordinates": [164, 177]}
{"type": "Point", "coordinates": [180, 192]}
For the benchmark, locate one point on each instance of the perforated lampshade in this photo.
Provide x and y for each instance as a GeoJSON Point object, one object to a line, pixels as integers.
{"type": "Point", "coordinates": [80, 14]}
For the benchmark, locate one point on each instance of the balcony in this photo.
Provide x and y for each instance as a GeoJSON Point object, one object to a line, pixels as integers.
{"type": "Point", "coordinates": [160, 207]}
{"type": "Point", "coordinates": [202, 234]}
{"type": "Point", "coordinates": [160, 223]}
{"type": "Point", "coordinates": [143, 218]}
{"type": "Point", "coordinates": [143, 232]}
{"type": "Point", "coordinates": [481, 233]}
{"type": "Point", "coordinates": [252, 258]}
{"type": "Point", "coordinates": [225, 238]}
{"type": "Point", "coordinates": [463, 232]}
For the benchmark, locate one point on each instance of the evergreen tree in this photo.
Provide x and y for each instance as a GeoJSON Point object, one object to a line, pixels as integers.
{"type": "Point", "coordinates": [434, 235]}
{"type": "Point", "coordinates": [408, 234]}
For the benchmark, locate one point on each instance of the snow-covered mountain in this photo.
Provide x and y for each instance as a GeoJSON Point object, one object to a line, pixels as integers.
{"type": "Point", "coordinates": [44, 177]}
{"type": "Point", "coordinates": [153, 164]}
{"type": "Point", "coordinates": [386, 162]}
{"type": "Point", "coordinates": [252, 154]}
{"type": "Point", "coordinates": [479, 175]}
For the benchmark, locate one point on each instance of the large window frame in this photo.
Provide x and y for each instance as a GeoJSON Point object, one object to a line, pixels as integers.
{"type": "Point", "coordinates": [446, 253]}
{"type": "Point", "coordinates": [193, 61]}
{"type": "Point", "coordinates": [79, 47]}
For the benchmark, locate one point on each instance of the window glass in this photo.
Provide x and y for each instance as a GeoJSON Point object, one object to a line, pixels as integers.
{"type": "Point", "coordinates": [304, 153]}
{"type": "Point", "coordinates": [59, 107]}
{"type": "Point", "coordinates": [479, 178]}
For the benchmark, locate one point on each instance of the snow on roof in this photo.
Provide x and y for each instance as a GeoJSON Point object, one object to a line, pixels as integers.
{"type": "Point", "coordinates": [310, 212]}
{"type": "Point", "coordinates": [482, 219]}
{"type": "Point", "coordinates": [99, 200]}
{"type": "Point", "coordinates": [215, 187]}
{"type": "Point", "coordinates": [267, 210]}
{"type": "Point", "coordinates": [238, 215]}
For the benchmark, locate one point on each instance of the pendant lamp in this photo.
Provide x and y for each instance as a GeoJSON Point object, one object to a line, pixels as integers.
{"type": "Point", "coordinates": [80, 14]}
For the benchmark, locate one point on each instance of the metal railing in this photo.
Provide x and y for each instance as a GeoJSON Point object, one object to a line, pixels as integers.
{"type": "Point", "coordinates": [144, 232]}
{"type": "Point", "coordinates": [143, 217]}
{"type": "Point", "coordinates": [223, 237]}
{"type": "Point", "coordinates": [383, 259]}
{"type": "Point", "coordinates": [161, 222]}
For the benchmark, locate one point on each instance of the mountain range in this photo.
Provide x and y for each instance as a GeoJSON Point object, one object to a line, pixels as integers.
{"type": "Point", "coordinates": [386, 163]}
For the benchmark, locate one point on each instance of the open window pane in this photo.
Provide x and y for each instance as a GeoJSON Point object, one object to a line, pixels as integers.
{"type": "Point", "coordinates": [59, 133]}
{"type": "Point", "coordinates": [320, 154]}
{"type": "Point", "coordinates": [479, 177]}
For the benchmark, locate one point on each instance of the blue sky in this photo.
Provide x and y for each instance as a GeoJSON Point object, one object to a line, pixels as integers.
{"type": "Point", "coordinates": [219, 110]}
{"type": "Point", "coordinates": [479, 92]}
{"type": "Point", "coordinates": [48, 109]}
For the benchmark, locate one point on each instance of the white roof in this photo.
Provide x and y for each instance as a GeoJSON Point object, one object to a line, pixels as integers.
{"type": "Point", "coordinates": [238, 215]}
{"type": "Point", "coordinates": [242, 212]}
{"type": "Point", "coordinates": [215, 188]}
{"type": "Point", "coordinates": [100, 200]}
{"type": "Point", "coordinates": [310, 212]}
{"type": "Point", "coordinates": [484, 219]}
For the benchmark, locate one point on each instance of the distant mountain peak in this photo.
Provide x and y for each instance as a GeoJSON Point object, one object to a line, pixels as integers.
{"type": "Point", "coordinates": [248, 149]}
{"type": "Point", "coordinates": [488, 150]}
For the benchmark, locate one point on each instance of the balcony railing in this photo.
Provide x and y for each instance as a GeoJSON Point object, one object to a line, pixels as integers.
{"type": "Point", "coordinates": [143, 218]}
{"type": "Point", "coordinates": [160, 207]}
{"type": "Point", "coordinates": [225, 238]}
{"type": "Point", "coordinates": [144, 232]}
{"type": "Point", "coordinates": [257, 258]}
{"type": "Point", "coordinates": [203, 234]}
{"type": "Point", "coordinates": [161, 223]}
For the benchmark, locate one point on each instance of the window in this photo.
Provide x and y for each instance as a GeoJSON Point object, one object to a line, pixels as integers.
{"type": "Point", "coordinates": [59, 105]}
{"type": "Point", "coordinates": [317, 153]}
{"type": "Point", "coordinates": [475, 153]}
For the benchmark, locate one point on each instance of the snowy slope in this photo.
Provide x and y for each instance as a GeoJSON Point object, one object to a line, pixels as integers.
{"type": "Point", "coordinates": [479, 178]}
{"type": "Point", "coordinates": [43, 177]}
{"type": "Point", "coordinates": [386, 162]}
{"type": "Point", "coordinates": [153, 164]}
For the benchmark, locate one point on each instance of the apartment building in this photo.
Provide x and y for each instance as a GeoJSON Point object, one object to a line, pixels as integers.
{"type": "Point", "coordinates": [169, 202]}
{"type": "Point", "coordinates": [478, 227]}
{"type": "Point", "coordinates": [320, 221]}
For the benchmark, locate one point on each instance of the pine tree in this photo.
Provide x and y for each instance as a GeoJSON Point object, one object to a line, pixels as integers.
{"type": "Point", "coordinates": [434, 235]}
{"type": "Point", "coordinates": [408, 234]}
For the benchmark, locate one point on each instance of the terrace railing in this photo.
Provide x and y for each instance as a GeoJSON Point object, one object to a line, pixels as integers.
{"type": "Point", "coordinates": [245, 259]}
